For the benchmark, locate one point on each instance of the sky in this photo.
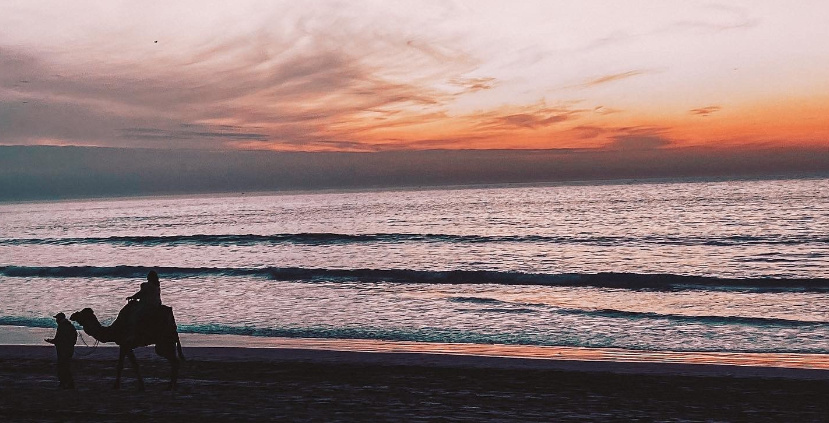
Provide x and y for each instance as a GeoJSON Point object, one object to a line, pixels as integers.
{"type": "Point", "coordinates": [396, 76]}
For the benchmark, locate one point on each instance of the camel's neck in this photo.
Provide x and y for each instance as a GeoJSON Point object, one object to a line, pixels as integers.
{"type": "Point", "coordinates": [98, 331]}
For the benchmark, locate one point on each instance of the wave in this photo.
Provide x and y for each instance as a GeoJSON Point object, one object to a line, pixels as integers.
{"type": "Point", "coordinates": [334, 238]}
{"type": "Point", "coordinates": [637, 281]}
{"type": "Point", "coordinates": [499, 310]}
{"type": "Point", "coordinates": [499, 306]}
{"type": "Point", "coordinates": [673, 318]}
{"type": "Point", "coordinates": [476, 300]}
{"type": "Point", "coordinates": [438, 335]}
{"type": "Point", "coordinates": [492, 305]}
{"type": "Point", "coordinates": [31, 322]}
{"type": "Point", "coordinates": [685, 318]}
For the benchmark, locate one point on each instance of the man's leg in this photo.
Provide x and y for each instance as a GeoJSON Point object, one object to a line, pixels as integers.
{"type": "Point", "coordinates": [70, 381]}
{"type": "Point", "coordinates": [62, 367]}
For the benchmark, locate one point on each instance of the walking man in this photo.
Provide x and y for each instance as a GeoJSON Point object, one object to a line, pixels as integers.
{"type": "Point", "coordinates": [64, 341]}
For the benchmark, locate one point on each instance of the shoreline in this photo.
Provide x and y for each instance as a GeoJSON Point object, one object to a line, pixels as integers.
{"type": "Point", "coordinates": [23, 342]}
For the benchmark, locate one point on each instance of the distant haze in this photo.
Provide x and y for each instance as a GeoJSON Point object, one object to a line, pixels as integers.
{"type": "Point", "coordinates": [76, 172]}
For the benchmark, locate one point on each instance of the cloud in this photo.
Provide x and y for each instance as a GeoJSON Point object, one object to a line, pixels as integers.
{"type": "Point", "coordinates": [614, 77]}
{"type": "Point", "coordinates": [637, 138]}
{"type": "Point", "coordinates": [628, 138]}
{"type": "Point", "coordinates": [527, 120]}
{"type": "Point", "coordinates": [536, 116]}
{"type": "Point", "coordinates": [587, 131]}
{"type": "Point", "coordinates": [705, 111]}
{"type": "Point", "coordinates": [309, 97]}
{"type": "Point", "coordinates": [470, 85]}
{"type": "Point", "coordinates": [602, 110]}
{"type": "Point", "coordinates": [193, 132]}
{"type": "Point", "coordinates": [721, 18]}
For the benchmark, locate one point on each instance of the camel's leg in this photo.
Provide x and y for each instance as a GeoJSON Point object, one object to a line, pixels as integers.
{"type": "Point", "coordinates": [121, 353]}
{"type": "Point", "coordinates": [180, 352]}
{"type": "Point", "coordinates": [168, 351]}
{"type": "Point", "coordinates": [174, 366]}
{"type": "Point", "coordinates": [134, 361]}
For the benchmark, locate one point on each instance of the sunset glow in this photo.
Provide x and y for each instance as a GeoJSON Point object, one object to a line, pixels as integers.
{"type": "Point", "coordinates": [377, 76]}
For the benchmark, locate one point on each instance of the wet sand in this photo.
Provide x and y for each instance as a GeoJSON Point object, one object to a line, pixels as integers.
{"type": "Point", "coordinates": [231, 383]}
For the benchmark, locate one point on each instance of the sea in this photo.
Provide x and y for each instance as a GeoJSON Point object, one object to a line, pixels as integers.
{"type": "Point", "coordinates": [667, 265]}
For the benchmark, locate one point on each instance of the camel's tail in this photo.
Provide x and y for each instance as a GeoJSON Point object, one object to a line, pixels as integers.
{"type": "Point", "coordinates": [175, 331]}
{"type": "Point", "coordinates": [178, 347]}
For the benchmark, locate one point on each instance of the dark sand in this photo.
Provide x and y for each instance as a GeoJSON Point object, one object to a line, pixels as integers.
{"type": "Point", "coordinates": [318, 385]}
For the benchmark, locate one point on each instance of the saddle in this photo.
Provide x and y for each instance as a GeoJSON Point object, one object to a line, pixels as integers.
{"type": "Point", "coordinates": [142, 323]}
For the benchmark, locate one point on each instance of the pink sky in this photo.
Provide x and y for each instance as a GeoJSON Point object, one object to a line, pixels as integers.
{"type": "Point", "coordinates": [394, 75]}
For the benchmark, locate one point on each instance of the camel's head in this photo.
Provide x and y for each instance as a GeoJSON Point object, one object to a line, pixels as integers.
{"type": "Point", "coordinates": [83, 316]}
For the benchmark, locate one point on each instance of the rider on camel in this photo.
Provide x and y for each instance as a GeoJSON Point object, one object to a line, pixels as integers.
{"type": "Point", "coordinates": [149, 300]}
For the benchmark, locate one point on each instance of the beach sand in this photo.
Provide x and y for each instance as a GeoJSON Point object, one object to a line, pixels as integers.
{"type": "Point", "coordinates": [320, 383]}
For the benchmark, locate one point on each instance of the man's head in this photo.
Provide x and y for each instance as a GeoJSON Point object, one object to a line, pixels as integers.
{"type": "Point", "coordinates": [152, 277]}
{"type": "Point", "coordinates": [59, 317]}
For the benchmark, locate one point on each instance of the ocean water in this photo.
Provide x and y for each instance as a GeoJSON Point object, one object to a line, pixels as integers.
{"type": "Point", "coordinates": [737, 266]}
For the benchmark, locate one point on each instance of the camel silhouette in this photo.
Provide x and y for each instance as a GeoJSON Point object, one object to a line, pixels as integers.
{"type": "Point", "coordinates": [160, 331]}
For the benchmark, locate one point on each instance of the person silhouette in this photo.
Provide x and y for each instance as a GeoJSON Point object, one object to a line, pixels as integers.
{"type": "Point", "coordinates": [64, 341]}
{"type": "Point", "coordinates": [150, 292]}
{"type": "Point", "coordinates": [149, 299]}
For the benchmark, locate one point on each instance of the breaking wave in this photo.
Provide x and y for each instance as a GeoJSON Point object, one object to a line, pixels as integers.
{"type": "Point", "coordinates": [637, 281]}
{"type": "Point", "coordinates": [407, 334]}
{"type": "Point", "coordinates": [334, 238]}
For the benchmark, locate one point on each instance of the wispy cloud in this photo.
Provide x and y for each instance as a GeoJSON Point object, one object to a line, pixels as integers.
{"type": "Point", "coordinates": [528, 117]}
{"type": "Point", "coordinates": [194, 132]}
{"type": "Point", "coordinates": [721, 18]}
{"type": "Point", "coordinates": [308, 98]}
{"type": "Point", "coordinates": [705, 111]}
{"type": "Point", "coordinates": [473, 84]}
{"type": "Point", "coordinates": [602, 110]}
{"type": "Point", "coordinates": [615, 77]}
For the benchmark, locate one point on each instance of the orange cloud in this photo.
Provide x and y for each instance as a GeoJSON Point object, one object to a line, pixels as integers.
{"type": "Point", "coordinates": [705, 111]}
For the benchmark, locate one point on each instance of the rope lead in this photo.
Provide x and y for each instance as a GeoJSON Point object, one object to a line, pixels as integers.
{"type": "Point", "coordinates": [94, 347]}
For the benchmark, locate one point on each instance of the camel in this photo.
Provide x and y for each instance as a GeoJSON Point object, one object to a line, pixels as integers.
{"type": "Point", "coordinates": [162, 332]}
